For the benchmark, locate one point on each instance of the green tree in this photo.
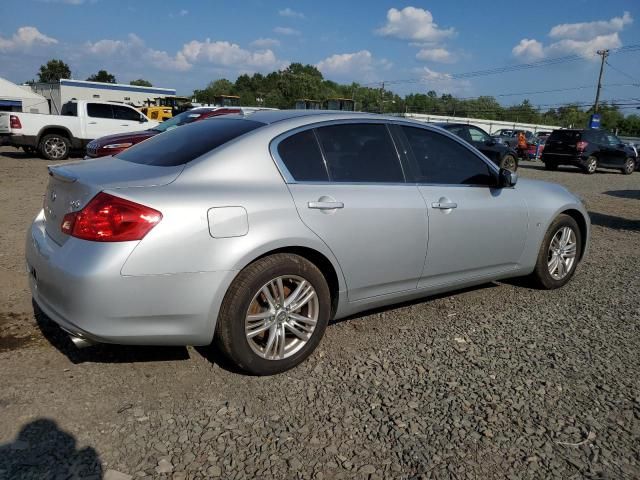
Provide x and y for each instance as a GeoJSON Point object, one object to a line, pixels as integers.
{"type": "Point", "coordinates": [53, 71]}
{"type": "Point", "coordinates": [102, 76]}
{"type": "Point", "coordinates": [140, 83]}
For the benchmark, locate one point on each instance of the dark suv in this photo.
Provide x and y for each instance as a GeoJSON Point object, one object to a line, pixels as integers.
{"type": "Point", "coordinates": [499, 153]}
{"type": "Point", "coordinates": [588, 150]}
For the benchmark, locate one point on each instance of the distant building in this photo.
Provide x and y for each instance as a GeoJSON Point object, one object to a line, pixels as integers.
{"type": "Point", "coordinates": [20, 98]}
{"type": "Point", "coordinates": [57, 94]}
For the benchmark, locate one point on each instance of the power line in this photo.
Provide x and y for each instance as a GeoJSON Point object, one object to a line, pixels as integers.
{"type": "Point", "coordinates": [623, 73]}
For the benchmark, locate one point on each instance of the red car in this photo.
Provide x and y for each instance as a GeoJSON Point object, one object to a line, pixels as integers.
{"type": "Point", "coordinates": [113, 144]}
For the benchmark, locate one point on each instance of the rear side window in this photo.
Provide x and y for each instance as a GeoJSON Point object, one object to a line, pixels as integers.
{"type": "Point", "coordinates": [70, 109]}
{"type": "Point", "coordinates": [99, 110]}
{"type": "Point", "coordinates": [181, 145]}
{"type": "Point", "coordinates": [360, 153]}
{"type": "Point", "coordinates": [125, 113]}
{"type": "Point", "coordinates": [441, 160]}
{"type": "Point", "coordinates": [301, 155]}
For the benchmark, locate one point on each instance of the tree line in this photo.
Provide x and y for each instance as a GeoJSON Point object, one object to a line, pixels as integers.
{"type": "Point", "coordinates": [281, 89]}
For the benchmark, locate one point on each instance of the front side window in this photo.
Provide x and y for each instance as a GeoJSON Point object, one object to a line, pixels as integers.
{"type": "Point", "coordinates": [126, 113]}
{"type": "Point", "coordinates": [441, 160]}
{"type": "Point", "coordinates": [360, 152]}
{"type": "Point", "coordinates": [478, 135]}
{"type": "Point", "coordinates": [301, 155]}
{"type": "Point", "coordinates": [99, 110]}
{"type": "Point", "coordinates": [461, 131]}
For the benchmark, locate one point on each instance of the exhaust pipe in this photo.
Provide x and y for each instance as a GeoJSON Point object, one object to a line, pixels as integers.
{"type": "Point", "coordinates": [80, 342]}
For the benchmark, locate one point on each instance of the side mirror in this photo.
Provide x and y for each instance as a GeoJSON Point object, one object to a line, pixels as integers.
{"type": "Point", "coordinates": [143, 119]}
{"type": "Point", "coordinates": [490, 142]}
{"type": "Point", "coordinates": [507, 178]}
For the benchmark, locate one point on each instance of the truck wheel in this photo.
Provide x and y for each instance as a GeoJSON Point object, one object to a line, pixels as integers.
{"type": "Point", "coordinates": [54, 147]}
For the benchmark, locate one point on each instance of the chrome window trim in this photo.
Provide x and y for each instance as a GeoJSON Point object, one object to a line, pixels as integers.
{"type": "Point", "coordinates": [288, 178]}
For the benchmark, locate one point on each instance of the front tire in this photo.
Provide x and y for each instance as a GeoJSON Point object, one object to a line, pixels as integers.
{"type": "Point", "coordinates": [274, 314]}
{"type": "Point", "coordinates": [559, 254]}
{"type": "Point", "coordinates": [54, 147]}
{"type": "Point", "coordinates": [629, 166]}
{"type": "Point", "coordinates": [509, 162]}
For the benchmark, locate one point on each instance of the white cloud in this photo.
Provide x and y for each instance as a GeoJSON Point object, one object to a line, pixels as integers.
{"type": "Point", "coordinates": [413, 23]}
{"type": "Point", "coordinates": [183, 13]}
{"type": "Point", "coordinates": [583, 39]}
{"type": "Point", "coordinates": [287, 12]}
{"type": "Point", "coordinates": [437, 54]}
{"type": "Point", "coordinates": [25, 38]}
{"type": "Point", "coordinates": [528, 49]}
{"type": "Point", "coordinates": [228, 54]}
{"type": "Point", "coordinates": [134, 49]}
{"type": "Point", "coordinates": [286, 31]}
{"type": "Point", "coordinates": [442, 82]}
{"type": "Point", "coordinates": [265, 43]}
{"type": "Point", "coordinates": [353, 66]}
{"type": "Point", "coordinates": [589, 30]}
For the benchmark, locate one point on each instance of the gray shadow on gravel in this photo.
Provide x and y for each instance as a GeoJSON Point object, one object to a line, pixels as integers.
{"type": "Point", "coordinates": [613, 222]}
{"type": "Point", "coordinates": [21, 155]}
{"type": "Point", "coordinates": [43, 451]}
{"type": "Point", "coordinates": [632, 194]}
{"type": "Point", "coordinates": [103, 353]}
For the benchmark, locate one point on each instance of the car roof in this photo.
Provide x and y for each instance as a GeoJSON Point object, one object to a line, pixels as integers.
{"type": "Point", "coordinates": [273, 116]}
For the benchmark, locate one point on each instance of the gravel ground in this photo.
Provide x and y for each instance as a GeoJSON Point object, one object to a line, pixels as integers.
{"type": "Point", "coordinates": [500, 381]}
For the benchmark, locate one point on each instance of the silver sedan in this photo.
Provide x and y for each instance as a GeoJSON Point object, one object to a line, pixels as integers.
{"type": "Point", "coordinates": [256, 231]}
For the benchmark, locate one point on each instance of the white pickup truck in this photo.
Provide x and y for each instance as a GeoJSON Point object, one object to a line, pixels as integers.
{"type": "Point", "coordinates": [54, 136]}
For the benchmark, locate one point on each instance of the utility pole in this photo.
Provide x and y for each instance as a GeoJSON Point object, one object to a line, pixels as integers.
{"type": "Point", "coordinates": [604, 54]}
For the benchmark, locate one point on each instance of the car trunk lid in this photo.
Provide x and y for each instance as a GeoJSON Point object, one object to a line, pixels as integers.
{"type": "Point", "coordinates": [72, 186]}
{"type": "Point", "coordinates": [563, 142]}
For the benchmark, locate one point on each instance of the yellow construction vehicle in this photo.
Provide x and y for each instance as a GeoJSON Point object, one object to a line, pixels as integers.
{"type": "Point", "coordinates": [163, 108]}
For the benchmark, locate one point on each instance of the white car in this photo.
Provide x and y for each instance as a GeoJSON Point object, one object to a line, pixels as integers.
{"type": "Point", "coordinates": [53, 136]}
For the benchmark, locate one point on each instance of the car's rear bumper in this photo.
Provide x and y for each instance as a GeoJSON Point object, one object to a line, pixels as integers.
{"type": "Point", "coordinates": [80, 287]}
{"type": "Point", "coordinates": [564, 158]}
{"type": "Point", "coordinates": [14, 140]}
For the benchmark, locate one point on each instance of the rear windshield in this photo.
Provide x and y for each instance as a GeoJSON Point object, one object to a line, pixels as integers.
{"type": "Point", "coordinates": [181, 145]}
{"type": "Point", "coordinates": [565, 136]}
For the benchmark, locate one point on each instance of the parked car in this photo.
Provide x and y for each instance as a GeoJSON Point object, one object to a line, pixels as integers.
{"type": "Point", "coordinates": [114, 144]}
{"type": "Point", "coordinates": [509, 136]}
{"type": "Point", "coordinates": [256, 231]}
{"type": "Point", "coordinates": [499, 153]}
{"type": "Point", "coordinates": [54, 136]}
{"type": "Point", "coordinates": [588, 149]}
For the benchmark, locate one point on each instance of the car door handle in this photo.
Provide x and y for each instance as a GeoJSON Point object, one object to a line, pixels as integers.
{"type": "Point", "coordinates": [92, 123]}
{"type": "Point", "coordinates": [444, 205]}
{"type": "Point", "coordinates": [124, 124]}
{"type": "Point", "coordinates": [325, 205]}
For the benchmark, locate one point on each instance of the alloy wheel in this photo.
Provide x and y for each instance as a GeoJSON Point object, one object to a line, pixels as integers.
{"type": "Point", "coordinates": [592, 165]}
{"type": "Point", "coordinates": [562, 253]}
{"type": "Point", "coordinates": [282, 317]}
{"type": "Point", "coordinates": [55, 147]}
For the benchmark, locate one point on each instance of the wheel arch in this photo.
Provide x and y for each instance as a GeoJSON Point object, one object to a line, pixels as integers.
{"type": "Point", "coordinates": [60, 130]}
{"type": "Point", "coordinates": [582, 225]}
{"type": "Point", "coordinates": [320, 260]}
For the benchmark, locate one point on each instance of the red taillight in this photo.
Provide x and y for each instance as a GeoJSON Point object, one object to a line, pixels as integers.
{"type": "Point", "coordinates": [14, 122]}
{"type": "Point", "coordinates": [111, 219]}
{"type": "Point", "coordinates": [581, 145]}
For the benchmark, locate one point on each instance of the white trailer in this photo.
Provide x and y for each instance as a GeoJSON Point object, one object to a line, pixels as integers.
{"type": "Point", "coordinates": [20, 98]}
{"type": "Point", "coordinates": [57, 94]}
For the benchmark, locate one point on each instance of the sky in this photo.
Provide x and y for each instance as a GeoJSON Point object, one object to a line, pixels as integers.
{"type": "Point", "coordinates": [413, 46]}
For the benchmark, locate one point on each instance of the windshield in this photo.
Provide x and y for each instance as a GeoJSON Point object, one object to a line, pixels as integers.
{"type": "Point", "coordinates": [181, 119]}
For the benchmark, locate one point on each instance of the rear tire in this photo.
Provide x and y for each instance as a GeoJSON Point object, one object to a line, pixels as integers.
{"type": "Point", "coordinates": [629, 166]}
{"type": "Point", "coordinates": [550, 165]}
{"type": "Point", "coordinates": [263, 298]}
{"type": "Point", "coordinates": [555, 266]}
{"type": "Point", "coordinates": [591, 165]}
{"type": "Point", "coordinates": [54, 147]}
